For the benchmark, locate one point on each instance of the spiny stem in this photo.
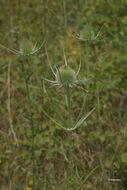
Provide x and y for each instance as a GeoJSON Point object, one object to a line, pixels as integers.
{"type": "Point", "coordinates": [30, 116]}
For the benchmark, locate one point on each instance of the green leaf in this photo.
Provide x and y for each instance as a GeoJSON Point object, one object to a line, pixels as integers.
{"type": "Point", "coordinates": [80, 121]}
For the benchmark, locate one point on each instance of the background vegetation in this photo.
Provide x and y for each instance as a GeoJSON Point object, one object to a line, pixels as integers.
{"type": "Point", "coordinates": [99, 148]}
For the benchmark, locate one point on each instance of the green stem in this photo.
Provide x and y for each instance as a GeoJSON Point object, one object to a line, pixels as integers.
{"type": "Point", "coordinates": [70, 125]}
{"type": "Point", "coordinates": [26, 77]}
{"type": "Point", "coordinates": [68, 97]}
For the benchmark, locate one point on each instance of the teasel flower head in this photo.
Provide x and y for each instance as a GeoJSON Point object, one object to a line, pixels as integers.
{"type": "Point", "coordinates": [26, 47]}
{"type": "Point", "coordinates": [65, 75]}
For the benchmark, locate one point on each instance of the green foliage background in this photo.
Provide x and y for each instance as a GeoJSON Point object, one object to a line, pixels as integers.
{"type": "Point", "coordinates": [99, 147]}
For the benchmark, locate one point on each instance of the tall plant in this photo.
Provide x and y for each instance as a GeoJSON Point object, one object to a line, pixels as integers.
{"type": "Point", "coordinates": [67, 78]}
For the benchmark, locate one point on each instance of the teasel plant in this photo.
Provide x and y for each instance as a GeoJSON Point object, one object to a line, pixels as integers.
{"type": "Point", "coordinates": [67, 78]}
{"type": "Point", "coordinates": [25, 54]}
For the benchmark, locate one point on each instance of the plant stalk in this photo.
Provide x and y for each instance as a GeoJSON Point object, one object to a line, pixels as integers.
{"type": "Point", "coordinates": [26, 78]}
{"type": "Point", "coordinates": [68, 98]}
{"type": "Point", "coordinates": [69, 125]}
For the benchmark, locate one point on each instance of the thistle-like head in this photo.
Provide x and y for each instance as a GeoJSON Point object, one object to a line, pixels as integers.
{"type": "Point", "coordinates": [26, 47]}
{"type": "Point", "coordinates": [65, 75]}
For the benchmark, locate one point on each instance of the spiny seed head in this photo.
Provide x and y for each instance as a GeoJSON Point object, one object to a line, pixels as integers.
{"type": "Point", "coordinates": [66, 75]}
{"type": "Point", "coordinates": [26, 47]}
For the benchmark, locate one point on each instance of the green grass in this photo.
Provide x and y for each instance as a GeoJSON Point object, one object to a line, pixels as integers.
{"type": "Point", "coordinates": [98, 147]}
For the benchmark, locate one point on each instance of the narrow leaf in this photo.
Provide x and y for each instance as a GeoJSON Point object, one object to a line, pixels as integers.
{"type": "Point", "coordinates": [80, 121]}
